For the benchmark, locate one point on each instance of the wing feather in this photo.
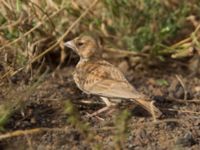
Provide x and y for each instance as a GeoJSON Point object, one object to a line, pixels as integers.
{"type": "Point", "coordinates": [102, 78]}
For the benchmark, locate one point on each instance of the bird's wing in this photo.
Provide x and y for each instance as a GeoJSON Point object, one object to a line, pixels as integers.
{"type": "Point", "coordinates": [107, 80]}
{"type": "Point", "coordinates": [103, 79]}
{"type": "Point", "coordinates": [114, 89]}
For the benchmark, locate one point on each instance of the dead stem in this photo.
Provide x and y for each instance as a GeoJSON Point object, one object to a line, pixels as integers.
{"type": "Point", "coordinates": [29, 132]}
{"type": "Point", "coordinates": [183, 85]}
{"type": "Point", "coordinates": [185, 111]}
{"type": "Point", "coordinates": [67, 32]}
{"type": "Point", "coordinates": [153, 111]}
{"type": "Point", "coordinates": [125, 53]}
{"type": "Point", "coordinates": [182, 100]}
{"type": "Point", "coordinates": [11, 73]}
{"type": "Point", "coordinates": [54, 45]}
{"type": "Point", "coordinates": [32, 29]}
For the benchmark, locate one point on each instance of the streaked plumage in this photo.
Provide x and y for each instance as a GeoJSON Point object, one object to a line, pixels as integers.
{"type": "Point", "coordinates": [94, 75]}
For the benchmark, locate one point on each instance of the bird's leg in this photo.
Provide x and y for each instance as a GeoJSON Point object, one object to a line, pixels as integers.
{"type": "Point", "coordinates": [108, 105]}
{"type": "Point", "coordinates": [106, 101]}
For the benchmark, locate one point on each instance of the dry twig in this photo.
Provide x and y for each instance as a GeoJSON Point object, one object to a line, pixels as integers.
{"type": "Point", "coordinates": [67, 32]}
{"type": "Point", "coordinates": [29, 132]}
{"type": "Point", "coordinates": [183, 101]}
{"type": "Point", "coordinates": [32, 29]}
{"type": "Point", "coordinates": [58, 41]}
{"type": "Point", "coordinates": [124, 53]}
{"type": "Point", "coordinates": [183, 85]}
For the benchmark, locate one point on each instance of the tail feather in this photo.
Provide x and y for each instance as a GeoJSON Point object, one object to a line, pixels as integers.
{"type": "Point", "coordinates": [149, 106]}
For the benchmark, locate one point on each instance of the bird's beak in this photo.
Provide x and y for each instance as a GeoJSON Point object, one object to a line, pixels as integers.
{"type": "Point", "coordinates": [70, 44]}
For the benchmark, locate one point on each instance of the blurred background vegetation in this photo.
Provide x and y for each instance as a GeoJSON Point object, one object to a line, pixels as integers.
{"type": "Point", "coordinates": [156, 27]}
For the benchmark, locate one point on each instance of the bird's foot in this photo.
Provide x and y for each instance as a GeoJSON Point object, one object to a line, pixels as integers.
{"type": "Point", "coordinates": [99, 111]}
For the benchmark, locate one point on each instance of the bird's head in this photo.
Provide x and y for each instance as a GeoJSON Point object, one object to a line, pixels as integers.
{"type": "Point", "coordinates": [85, 46]}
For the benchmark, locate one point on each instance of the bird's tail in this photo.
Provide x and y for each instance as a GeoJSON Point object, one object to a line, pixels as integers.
{"type": "Point", "coordinates": [149, 106]}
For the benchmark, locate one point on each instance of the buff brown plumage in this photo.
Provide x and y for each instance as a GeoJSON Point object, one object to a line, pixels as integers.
{"type": "Point", "coordinates": [93, 75]}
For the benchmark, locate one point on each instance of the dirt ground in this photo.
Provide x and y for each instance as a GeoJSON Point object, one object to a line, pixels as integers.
{"type": "Point", "coordinates": [42, 124]}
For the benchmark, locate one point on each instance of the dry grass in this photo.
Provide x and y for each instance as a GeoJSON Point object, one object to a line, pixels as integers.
{"type": "Point", "coordinates": [32, 35]}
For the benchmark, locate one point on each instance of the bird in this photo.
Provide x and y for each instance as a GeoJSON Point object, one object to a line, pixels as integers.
{"type": "Point", "coordinates": [95, 76]}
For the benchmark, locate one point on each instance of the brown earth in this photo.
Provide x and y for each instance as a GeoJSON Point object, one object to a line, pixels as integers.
{"type": "Point", "coordinates": [42, 121]}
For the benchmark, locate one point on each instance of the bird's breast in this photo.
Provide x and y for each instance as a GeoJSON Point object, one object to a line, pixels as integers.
{"type": "Point", "coordinates": [79, 80]}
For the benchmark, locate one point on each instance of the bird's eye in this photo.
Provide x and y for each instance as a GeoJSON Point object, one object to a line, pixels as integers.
{"type": "Point", "coordinates": [80, 44]}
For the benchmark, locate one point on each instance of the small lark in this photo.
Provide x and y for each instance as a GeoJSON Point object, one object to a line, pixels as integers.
{"type": "Point", "coordinates": [93, 75]}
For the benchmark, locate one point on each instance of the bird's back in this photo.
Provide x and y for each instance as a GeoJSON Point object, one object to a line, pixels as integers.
{"type": "Point", "coordinates": [99, 77]}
